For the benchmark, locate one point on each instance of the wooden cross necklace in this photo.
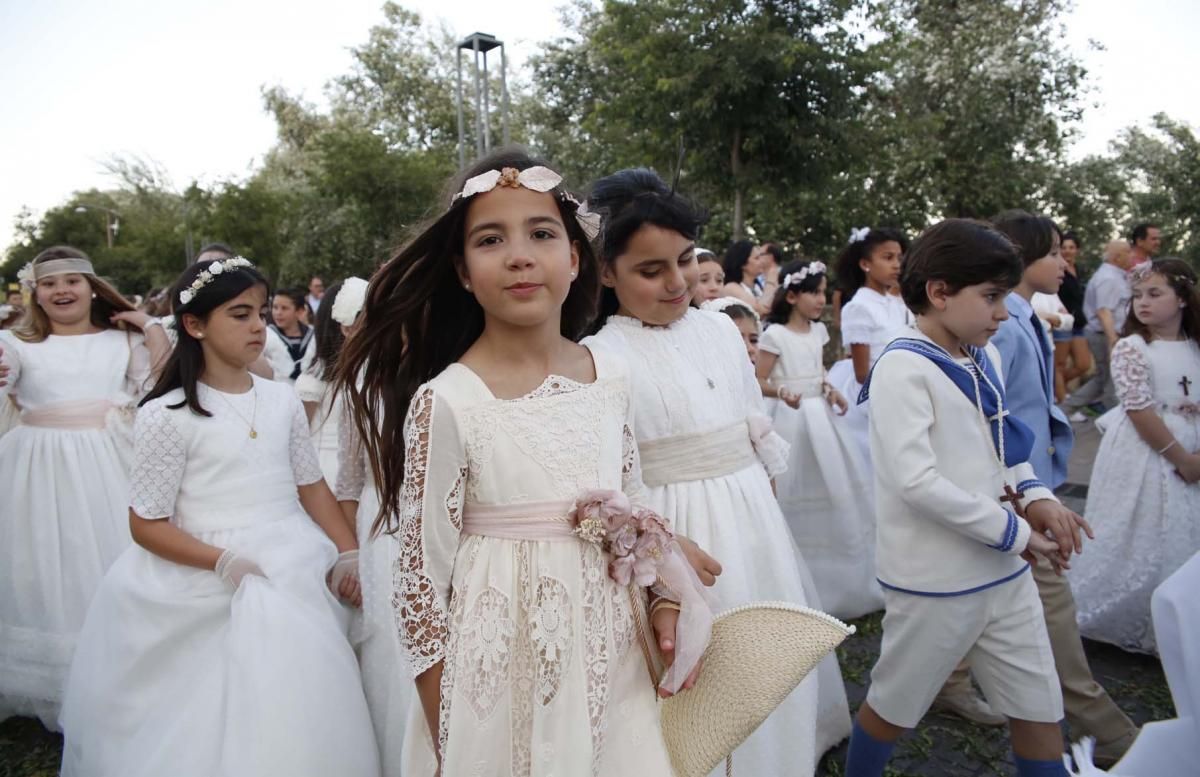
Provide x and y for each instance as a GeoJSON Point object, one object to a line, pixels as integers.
{"type": "Point", "coordinates": [1184, 383]}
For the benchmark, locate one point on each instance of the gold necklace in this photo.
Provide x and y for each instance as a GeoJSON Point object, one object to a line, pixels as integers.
{"type": "Point", "coordinates": [254, 413]}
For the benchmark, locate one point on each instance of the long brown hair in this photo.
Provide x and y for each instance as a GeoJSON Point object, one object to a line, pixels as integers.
{"type": "Point", "coordinates": [1182, 279]}
{"type": "Point", "coordinates": [417, 320]}
{"type": "Point", "coordinates": [34, 326]}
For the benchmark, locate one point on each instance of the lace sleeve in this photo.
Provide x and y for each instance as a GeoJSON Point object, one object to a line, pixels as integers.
{"type": "Point", "coordinates": [159, 458]}
{"type": "Point", "coordinates": [1131, 375]}
{"type": "Point", "coordinates": [772, 450]}
{"type": "Point", "coordinates": [306, 467]}
{"type": "Point", "coordinates": [352, 462]}
{"type": "Point", "coordinates": [435, 472]}
{"type": "Point", "coordinates": [310, 388]}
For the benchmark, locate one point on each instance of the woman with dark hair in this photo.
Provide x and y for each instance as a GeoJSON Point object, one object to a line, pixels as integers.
{"type": "Point", "coordinates": [706, 445]}
{"type": "Point", "coordinates": [76, 363]}
{"type": "Point", "coordinates": [1072, 357]}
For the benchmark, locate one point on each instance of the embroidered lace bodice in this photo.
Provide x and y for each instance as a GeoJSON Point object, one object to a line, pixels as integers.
{"type": "Point", "coordinates": [690, 377]}
{"type": "Point", "coordinates": [513, 621]}
{"type": "Point", "coordinates": [209, 473]}
{"type": "Point", "coordinates": [1163, 374]}
{"type": "Point", "coordinates": [111, 365]}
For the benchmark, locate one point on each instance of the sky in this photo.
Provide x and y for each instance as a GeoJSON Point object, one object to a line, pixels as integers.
{"type": "Point", "coordinates": [180, 83]}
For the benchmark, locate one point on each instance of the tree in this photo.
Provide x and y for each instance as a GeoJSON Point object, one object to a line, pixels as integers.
{"type": "Point", "coordinates": [1162, 173]}
{"type": "Point", "coordinates": [974, 102]}
{"type": "Point", "coordinates": [761, 95]}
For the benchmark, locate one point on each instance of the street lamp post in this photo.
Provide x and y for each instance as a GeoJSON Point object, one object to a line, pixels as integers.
{"type": "Point", "coordinates": [112, 220]}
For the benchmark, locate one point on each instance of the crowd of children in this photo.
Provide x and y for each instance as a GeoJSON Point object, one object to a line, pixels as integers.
{"type": "Point", "coordinates": [354, 540]}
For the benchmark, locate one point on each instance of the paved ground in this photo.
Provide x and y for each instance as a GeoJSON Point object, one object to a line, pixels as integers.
{"type": "Point", "coordinates": [942, 745]}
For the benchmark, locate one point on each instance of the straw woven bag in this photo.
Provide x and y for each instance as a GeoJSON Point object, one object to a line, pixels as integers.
{"type": "Point", "coordinates": [757, 656]}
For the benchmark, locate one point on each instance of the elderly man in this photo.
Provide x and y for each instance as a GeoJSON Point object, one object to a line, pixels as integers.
{"type": "Point", "coordinates": [1105, 304]}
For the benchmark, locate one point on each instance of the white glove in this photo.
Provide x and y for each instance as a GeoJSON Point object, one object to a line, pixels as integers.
{"type": "Point", "coordinates": [232, 568]}
{"type": "Point", "coordinates": [345, 566]}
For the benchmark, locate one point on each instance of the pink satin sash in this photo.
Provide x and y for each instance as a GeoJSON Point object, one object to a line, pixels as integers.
{"type": "Point", "coordinates": [76, 414]}
{"type": "Point", "coordinates": [532, 521]}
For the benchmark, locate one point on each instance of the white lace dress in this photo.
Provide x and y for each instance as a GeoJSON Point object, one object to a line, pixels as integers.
{"type": "Point", "coordinates": [1144, 515]}
{"type": "Point", "coordinates": [176, 673]}
{"type": "Point", "coordinates": [826, 499]}
{"type": "Point", "coordinates": [697, 406]}
{"type": "Point", "coordinates": [64, 477]}
{"type": "Point", "coordinates": [871, 319]}
{"type": "Point", "coordinates": [543, 674]}
{"type": "Point", "coordinates": [386, 679]}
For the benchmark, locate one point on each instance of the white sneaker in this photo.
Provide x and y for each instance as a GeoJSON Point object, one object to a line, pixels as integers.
{"type": "Point", "coordinates": [1077, 417]}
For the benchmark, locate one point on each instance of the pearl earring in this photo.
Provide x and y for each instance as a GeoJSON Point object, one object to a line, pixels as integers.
{"type": "Point", "coordinates": [467, 286]}
{"type": "Point", "coordinates": [572, 274]}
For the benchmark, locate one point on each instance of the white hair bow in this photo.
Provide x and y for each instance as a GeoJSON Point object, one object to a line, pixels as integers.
{"type": "Point", "coordinates": [349, 301]}
{"type": "Point", "coordinates": [859, 234]}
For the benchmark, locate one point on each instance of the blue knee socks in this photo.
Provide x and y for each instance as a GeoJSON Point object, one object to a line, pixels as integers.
{"type": "Point", "coordinates": [867, 755]}
{"type": "Point", "coordinates": [1029, 768]}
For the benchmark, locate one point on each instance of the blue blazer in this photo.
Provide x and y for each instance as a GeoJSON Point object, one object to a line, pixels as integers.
{"type": "Point", "coordinates": [1029, 390]}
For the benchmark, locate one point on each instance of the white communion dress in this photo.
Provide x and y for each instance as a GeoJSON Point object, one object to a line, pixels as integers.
{"type": "Point", "coordinates": [386, 679]}
{"type": "Point", "coordinates": [543, 673]}
{"type": "Point", "coordinates": [64, 481]}
{"type": "Point", "coordinates": [176, 672]}
{"type": "Point", "coordinates": [707, 457]}
{"type": "Point", "coordinates": [871, 319]}
{"type": "Point", "coordinates": [310, 387]}
{"type": "Point", "coordinates": [824, 495]}
{"type": "Point", "coordinates": [1146, 517]}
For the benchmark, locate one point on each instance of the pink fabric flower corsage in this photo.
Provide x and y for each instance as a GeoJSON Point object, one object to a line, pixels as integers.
{"type": "Point", "coordinates": [644, 552]}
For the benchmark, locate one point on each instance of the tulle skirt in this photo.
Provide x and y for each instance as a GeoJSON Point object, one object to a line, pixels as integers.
{"type": "Point", "coordinates": [737, 519]}
{"type": "Point", "coordinates": [829, 507]}
{"type": "Point", "coordinates": [177, 674]}
{"type": "Point", "coordinates": [64, 519]}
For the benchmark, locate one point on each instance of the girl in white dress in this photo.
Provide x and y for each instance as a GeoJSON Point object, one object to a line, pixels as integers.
{"type": "Point", "coordinates": [707, 448]}
{"type": "Point", "coordinates": [827, 500]}
{"type": "Point", "coordinates": [76, 366]}
{"type": "Point", "coordinates": [322, 405]}
{"type": "Point", "coordinates": [1144, 496]}
{"type": "Point", "coordinates": [868, 271]}
{"type": "Point", "coordinates": [491, 423]}
{"type": "Point", "coordinates": [214, 646]}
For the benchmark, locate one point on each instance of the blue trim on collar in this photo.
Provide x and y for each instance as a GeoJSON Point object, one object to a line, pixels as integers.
{"type": "Point", "coordinates": [947, 594]}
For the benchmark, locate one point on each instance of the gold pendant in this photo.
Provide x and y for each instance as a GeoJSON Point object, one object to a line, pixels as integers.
{"type": "Point", "coordinates": [253, 435]}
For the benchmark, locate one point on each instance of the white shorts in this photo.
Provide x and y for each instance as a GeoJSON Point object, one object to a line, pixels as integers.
{"type": "Point", "coordinates": [1000, 631]}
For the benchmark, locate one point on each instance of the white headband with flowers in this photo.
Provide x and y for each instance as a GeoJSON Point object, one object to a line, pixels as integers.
{"type": "Point", "coordinates": [815, 268]}
{"type": "Point", "coordinates": [537, 179]}
{"type": "Point", "coordinates": [212, 271]}
{"type": "Point", "coordinates": [719, 304]}
{"type": "Point", "coordinates": [31, 273]}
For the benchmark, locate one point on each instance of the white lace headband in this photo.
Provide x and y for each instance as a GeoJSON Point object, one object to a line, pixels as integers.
{"type": "Point", "coordinates": [795, 278]}
{"type": "Point", "coordinates": [719, 304]}
{"type": "Point", "coordinates": [31, 273]}
{"type": "Point", "coordinates": [537, 179]}
{"type": "Point", "coordinates": [212, 271]}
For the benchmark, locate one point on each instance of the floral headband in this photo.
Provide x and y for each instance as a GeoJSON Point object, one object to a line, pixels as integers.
{"type": "Point", "coordinates": [212, 271]}
{"type": "Point", "coordinates": [1146, 269]}
{"type": "Point", "coordinates": [537, 179]}
{"type": "Point", "coordinates": [31, 273]}
{"type": "Point", "coordinates": [718, 306]}
{"type": "Point", "coordinates": [808, 270]}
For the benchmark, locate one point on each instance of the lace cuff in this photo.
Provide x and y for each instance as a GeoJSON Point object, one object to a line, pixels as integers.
{"type": "Point", "coordinates": [159, 459]}
{"type": "Point", "coordinates": [1131, 375]}
{"type": "Point", "coordinates": [306, 467]}
{"type": "Point", "coordinates": [772, 450]}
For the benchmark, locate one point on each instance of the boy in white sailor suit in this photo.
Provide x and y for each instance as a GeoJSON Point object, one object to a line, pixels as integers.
{"type": "Point", "coordinates": [959, 512]}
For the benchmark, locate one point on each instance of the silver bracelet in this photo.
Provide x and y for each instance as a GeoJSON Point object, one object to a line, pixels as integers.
{"type": "Point", "coordinates": [1168, 447]}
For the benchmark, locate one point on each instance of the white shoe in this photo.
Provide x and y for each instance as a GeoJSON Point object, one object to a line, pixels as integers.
{"type": "Point", "coordinates": [1077, 417]}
